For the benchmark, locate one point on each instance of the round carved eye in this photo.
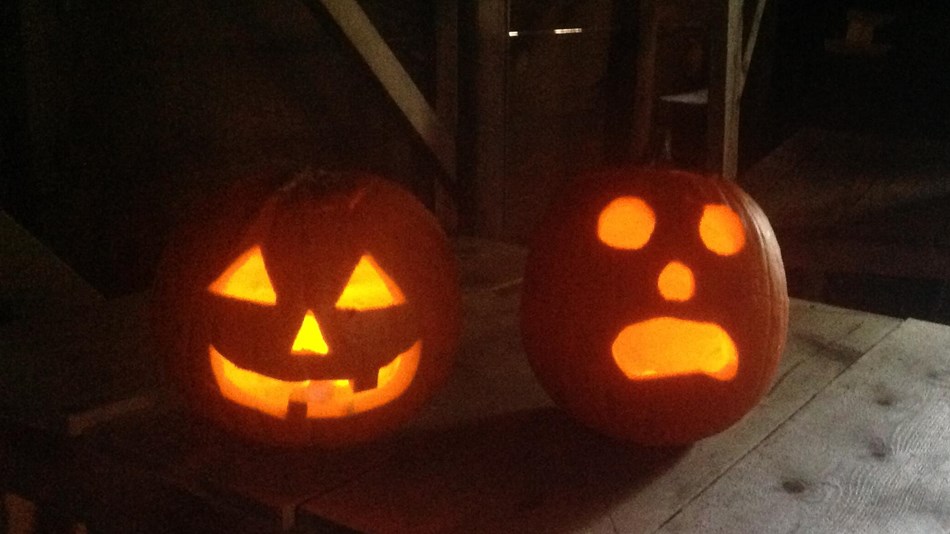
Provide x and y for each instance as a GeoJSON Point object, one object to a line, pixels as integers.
{"type": "Point", "coordinates": [369, 288]}
{"type": "Point", "coordinates": [626, 223]}
{"type": "Point", "coordinates": [721, 230]}
{"type": "Point", "coordinates": [246, 279]}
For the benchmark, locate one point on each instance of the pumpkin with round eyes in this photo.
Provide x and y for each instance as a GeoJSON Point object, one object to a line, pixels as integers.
{"type": "Point", "coordinates": [320, 310]}
{"type": "Point", "coordinates": [654, 306]}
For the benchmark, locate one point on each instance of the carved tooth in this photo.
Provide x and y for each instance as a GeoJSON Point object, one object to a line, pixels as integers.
{"type": "Point", "coordinates": [365, 381]}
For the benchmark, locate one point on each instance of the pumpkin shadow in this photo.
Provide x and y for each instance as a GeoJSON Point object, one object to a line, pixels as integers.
{"type": "Point", "coordinates": [532, 470]}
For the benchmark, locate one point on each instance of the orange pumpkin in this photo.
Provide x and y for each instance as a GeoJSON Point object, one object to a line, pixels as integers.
{"type": "Point", "coordinates": [321, 311]}
{"type": "Point", "coordinates": [654, 304]}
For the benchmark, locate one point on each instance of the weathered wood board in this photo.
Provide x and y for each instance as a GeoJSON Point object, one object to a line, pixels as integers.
{"type": "Point", "coordinates": [851, 434]}
{"type": "Point", "coordinates": [869, 454]}
{"type": "Point", "coordinates": [516, 463]}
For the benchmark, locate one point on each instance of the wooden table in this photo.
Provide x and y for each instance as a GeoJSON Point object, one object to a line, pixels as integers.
{"type": "Point", "coordinates": [854, 436]}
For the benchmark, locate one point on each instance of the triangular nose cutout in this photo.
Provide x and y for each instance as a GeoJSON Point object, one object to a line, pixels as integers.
{"type": "Point", "coordinates": [309, 338]}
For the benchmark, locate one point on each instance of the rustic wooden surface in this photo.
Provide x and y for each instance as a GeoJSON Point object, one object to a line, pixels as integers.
{"type": "Point", "coordinates": [525, 467]}
{"type": "Point", "coordinates": [851, 436]}
{"type": "Point", "coordinates": [869, 454]}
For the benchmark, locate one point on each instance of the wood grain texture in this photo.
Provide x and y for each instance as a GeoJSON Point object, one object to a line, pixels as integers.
{"type": "Point", "coordinates": [869, 454]}
{"type": "Point", "coordinates": [492, 454]}
{"type": "Point", "coordinates": [822, 342]}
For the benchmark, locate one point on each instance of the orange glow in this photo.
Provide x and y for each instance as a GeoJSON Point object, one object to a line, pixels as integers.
{"type": "Point", "coordinates": [246, 279]}
{"type": "Point", "coordinates": [676, 282]}
{"type": "Point", "coordinates": [324, 398]}
{"type": "Point", "coordinates": [665, 347]}
{"type": "Point", "coordinates": [626, 223]}
{"type": "Point", "coordinates": [721, 230]}
{"type": "Point", "coordinates": [369, 288]}
{"type": "Point", "coordinates": [309, 338]}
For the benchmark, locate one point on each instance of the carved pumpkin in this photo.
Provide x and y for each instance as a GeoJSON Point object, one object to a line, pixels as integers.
{"type": "Point", "coordinates": [320, 311]}
{"type": "Point", "coordinates": [654, 304]}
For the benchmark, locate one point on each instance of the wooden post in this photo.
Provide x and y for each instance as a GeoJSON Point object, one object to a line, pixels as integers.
{"type": "Point", "coordinates": [446, 101]}
{"type": "Point", "coordinates": [482, 58]}
{"type": "Point", "coordinates": [647, 36]}
{"type": "Point", "coordinates": [725, 90]}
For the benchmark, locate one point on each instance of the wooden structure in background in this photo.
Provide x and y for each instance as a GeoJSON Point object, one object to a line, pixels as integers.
{"type": "Point", "coordinates": [423, 117]}
{"type": "Point", "coordinates": [730, 56]}
{"type": "Point", "coordinates": [483, 35]}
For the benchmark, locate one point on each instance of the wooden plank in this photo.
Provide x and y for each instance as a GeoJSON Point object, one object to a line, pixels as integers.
{"type": "Point", "coordinates": [198, 459]}
{"type": "Point", "coordinates": [494, 454]}
{"type": "Point", "coordinates": [823, 341]}
{"type": "Point", "coordinates": [868, 454]}
{"type": "Point", "coordinates": [33, 280]}
{"type": "Point", "coordinates": [364, 37]}
{"type": "Point", "coordinates": [724, 90]}
{"type": "Point", "coordinates": [839, 329]}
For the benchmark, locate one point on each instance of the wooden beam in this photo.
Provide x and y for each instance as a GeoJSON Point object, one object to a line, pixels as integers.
{"type": "Point", "coordinates": [750, 42]}
{"type": "Point", "coordinates": [357, 27]}
{"type": "Point", "coordinates": [725, 90]}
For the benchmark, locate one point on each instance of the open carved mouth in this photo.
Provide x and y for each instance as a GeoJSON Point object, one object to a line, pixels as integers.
{"type": "Point", "coordinates": [666, 346]}
{"type": "Point", "coordinates": [322, 398]}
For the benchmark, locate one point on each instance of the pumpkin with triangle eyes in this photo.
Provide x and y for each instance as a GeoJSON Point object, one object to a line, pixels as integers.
{"type": "Point", "coordinates": [323, 310]}
{"type": "Point", "coordinates": [654, 306]}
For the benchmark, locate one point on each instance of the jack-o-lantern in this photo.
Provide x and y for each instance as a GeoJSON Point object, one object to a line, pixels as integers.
{"type": "Point", "coordinates": [323, 310]}
{"type": "Point", "coordinates": [654, 304]}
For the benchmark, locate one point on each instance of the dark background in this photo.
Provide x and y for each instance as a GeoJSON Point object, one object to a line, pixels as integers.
{"type": "Point", "coordinates": [116, 116]}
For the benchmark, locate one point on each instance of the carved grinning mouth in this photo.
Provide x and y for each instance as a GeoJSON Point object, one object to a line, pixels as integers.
{"type": "Point", "coordinates": [666, 346]}
{"type": "Point", "coordinates": [323, 398]}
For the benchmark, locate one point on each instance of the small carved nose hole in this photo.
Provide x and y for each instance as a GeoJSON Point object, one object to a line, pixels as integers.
{"type": "Point", "coordinates": [676, 282]}
{"type": "Point", "coordinates": [309, 339]}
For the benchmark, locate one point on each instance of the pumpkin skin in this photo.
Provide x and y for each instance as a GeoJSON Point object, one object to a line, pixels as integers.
{"type": "Point", "coordinates": [258, 299]}
{"type": "Point", "coordinates": [610, 337]}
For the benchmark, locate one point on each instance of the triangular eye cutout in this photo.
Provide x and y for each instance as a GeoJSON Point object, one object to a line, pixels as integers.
{"type": "Point", "coordinates": [369, 288]}
{"type": "Point", "coordinates": [246, 279]}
